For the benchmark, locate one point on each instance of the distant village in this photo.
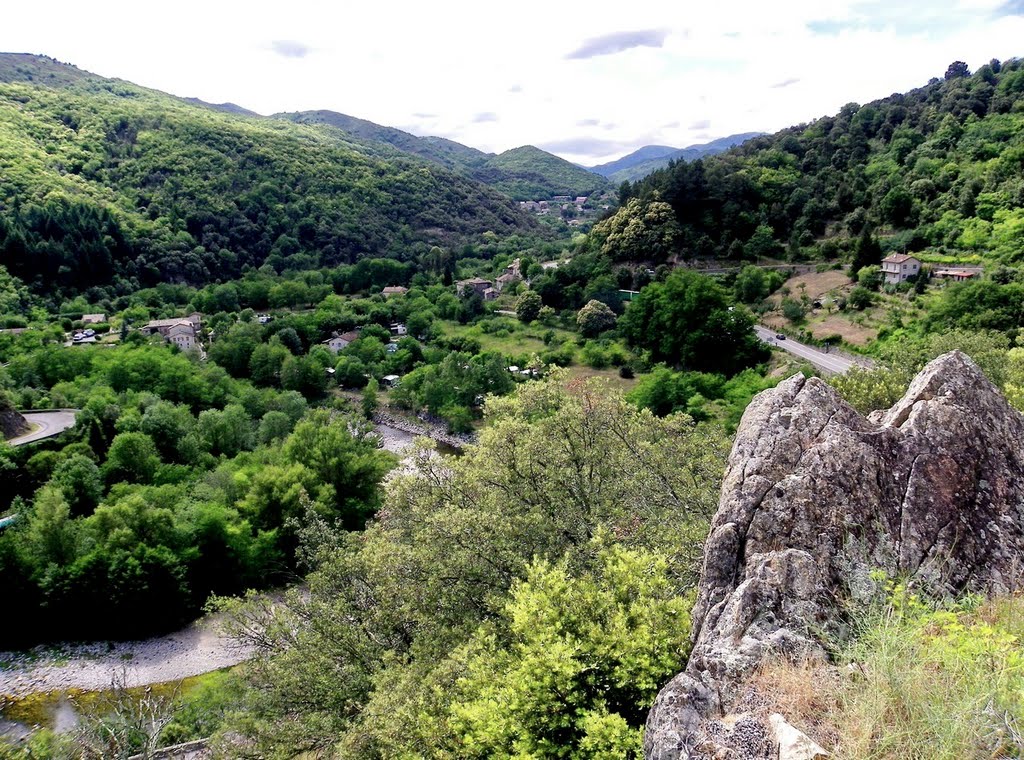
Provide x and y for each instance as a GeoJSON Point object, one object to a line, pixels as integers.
{"type": "Point", "coordinates": [574, 212]}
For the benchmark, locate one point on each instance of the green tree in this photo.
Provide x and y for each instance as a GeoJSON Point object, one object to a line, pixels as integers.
{"type": "Point", "coordinates": [132, 457]}
{"type": "Point", "coordinates": [370, 401]}
{"type": "Point", "coordinates": [80, 481]}
{"type": "Point", "coordinates": [688, 320]}
{"type": "Point", "coordinates": [751, 284]}
{"type": "Point", "coordinates": [528, 306]}
{"type": "Point", "coordinates": [583, 659]}
{"type": "Point", "coordinates": [594, 318]}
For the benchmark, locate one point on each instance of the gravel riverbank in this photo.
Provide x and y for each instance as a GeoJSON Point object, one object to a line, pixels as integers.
{"type": "Point", "coordinates": [192, 651]}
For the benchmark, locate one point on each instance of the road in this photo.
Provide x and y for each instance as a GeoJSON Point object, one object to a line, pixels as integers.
{"type": "Point", "coordinates": [831, 363]}
{"type": "Point", "coordinates": [45, 425]}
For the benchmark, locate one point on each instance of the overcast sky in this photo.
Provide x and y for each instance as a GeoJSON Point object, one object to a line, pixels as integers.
{"type": "Point", "coordinates": [589, 81]}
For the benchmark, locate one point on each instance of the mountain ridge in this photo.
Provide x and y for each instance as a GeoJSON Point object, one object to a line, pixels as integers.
{"type": "Point", "coordinates": [650, 158]}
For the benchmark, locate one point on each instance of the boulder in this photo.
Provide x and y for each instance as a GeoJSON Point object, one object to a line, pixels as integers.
{"type": "Point", "coordinates": [816, 498]}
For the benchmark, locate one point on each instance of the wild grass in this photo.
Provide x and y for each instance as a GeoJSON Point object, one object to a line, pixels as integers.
{"type": "Point", "coordinates": [916, 684]}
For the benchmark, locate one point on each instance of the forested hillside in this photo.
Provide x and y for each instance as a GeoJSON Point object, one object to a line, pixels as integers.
{"type": "Point", "coordinates": [938, 170]}
{"type": "Point", "coordinates": [525, 173]}
{"type": "Point", "coordinates": [105, 184]}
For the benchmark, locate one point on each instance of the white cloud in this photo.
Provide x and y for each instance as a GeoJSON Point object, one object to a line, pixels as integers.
{"type": "Point", "coordinates": [440, 67]}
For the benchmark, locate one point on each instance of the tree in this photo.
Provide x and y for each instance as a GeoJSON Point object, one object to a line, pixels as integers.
{"type": "Point", "coordinates": [640, 231]}
{"type": "Point", "coordinates": [957, 70]}
{"type": "Point", "coordinates": [132, 457]}
{"type": "Point", "coordinates": [584, 657]}
{"type": "Point", "coordinates": [266, 362]}
{"type": "Point", "coordinates": [528, 306]}
{"type": "Point", "coordinates": [751, 284]}
{"type": "Point", "coordinates": [50, 535]}
{"type": "Point", "coordinates": [369, 658]}
{"type": "Point", "coordinates": [369, 400]}
{"type": "Point", "coordinates": [79, 480]}
{"type": "Point", "coordinates": [866, 252]}
{"type": "Point", "coordinates": [688, 320]}
{"type": "Point", "coordinates": [594, 318]}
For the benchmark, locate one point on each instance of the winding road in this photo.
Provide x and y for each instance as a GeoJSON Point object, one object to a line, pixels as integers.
{"type": "Point", "coordinates": [831, 363]}
{"type": "Point", "coordinates": [45, 425]}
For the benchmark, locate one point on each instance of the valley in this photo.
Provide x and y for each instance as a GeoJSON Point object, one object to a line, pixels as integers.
{"type": "Point", "coordinates": [486, 454]}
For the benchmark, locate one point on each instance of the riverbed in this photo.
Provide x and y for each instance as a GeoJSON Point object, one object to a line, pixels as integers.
{"type": "Point", "coordinates": [199, 648]}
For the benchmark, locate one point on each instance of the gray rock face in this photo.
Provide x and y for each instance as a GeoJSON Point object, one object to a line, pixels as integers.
{"type": "Point", "coordinates": [816, 497]}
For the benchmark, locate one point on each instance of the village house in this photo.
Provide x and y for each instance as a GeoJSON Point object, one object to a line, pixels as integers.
{"type": "Point", "coordinates": [394, 290]}
{"type": "Point", "coordinates": [511, 274]}
{"type": "Point", "coordinates": [897, 267]}
{"type": "Point", "coordinates": [337, 343]}
{"type": "Point", "coordinates": [473, 285]}
{"type": "Point", "coordinates": [957, 275]}
{"type": "Point", "coordinates": [163, 326]}
{"type": "Point", "coordinates": [581, 200]}
{"type": "Point", "coordinates": [183, 335]}
{"type": "Point", "coordinates": [93, 319]}
{"type": "Point", "coordinates": [561, 199]}
{"type": "Point", "coordinates": [399, 328]}
{"type": "Point", "coordinates": [264, 318]}
{"type": "Point", "coordinates": [390, 381]}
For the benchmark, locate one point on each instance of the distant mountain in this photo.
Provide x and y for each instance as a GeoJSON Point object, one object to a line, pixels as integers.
{"type": "Point", "coordinates": [524, 173]}
{"type": "Point", "coordinates": [649, 158]}
{"type": "Point", "coordinates": [638, 156]}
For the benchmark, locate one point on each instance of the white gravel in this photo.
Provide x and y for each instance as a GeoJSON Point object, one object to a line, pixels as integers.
{"type": "Point", "coordinates": [192, 651]}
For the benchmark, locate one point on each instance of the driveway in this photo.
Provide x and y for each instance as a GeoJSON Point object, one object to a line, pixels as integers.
{"type": "Point", "coordinates": [828, 362]}
{"type": "Point", "coordinates": [45, 425]}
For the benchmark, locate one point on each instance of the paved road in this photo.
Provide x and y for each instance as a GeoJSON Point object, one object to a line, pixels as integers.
{"type": "Point", "coordinates": [831, 363]}
{"type": "Point", "coordinates": [45, 425]}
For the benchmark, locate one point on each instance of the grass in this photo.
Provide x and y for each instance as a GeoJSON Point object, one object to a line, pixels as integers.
{"type": "Point", "coordinates": [40, 709]}
{"type": "Point", "coordinates": [512, 339]}
{"type": "Point", "coordinates": [921, 683]}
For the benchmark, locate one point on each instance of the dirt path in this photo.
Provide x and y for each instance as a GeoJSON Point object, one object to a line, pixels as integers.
{"type": "Point", "coordinates": [192, 651]}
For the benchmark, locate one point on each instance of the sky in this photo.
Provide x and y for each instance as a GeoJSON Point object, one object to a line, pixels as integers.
{"type": "Point", "coordinates": [589, 81]}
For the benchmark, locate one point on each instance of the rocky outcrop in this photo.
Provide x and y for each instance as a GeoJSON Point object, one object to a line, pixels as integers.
{"type": "Point", "coordinates": [12, 424]}
{"type": "Point", "coordinates": [815, 498]}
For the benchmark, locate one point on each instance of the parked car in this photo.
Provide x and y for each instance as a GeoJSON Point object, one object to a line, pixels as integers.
{"type": "Point", "coordinates": [779, 336]}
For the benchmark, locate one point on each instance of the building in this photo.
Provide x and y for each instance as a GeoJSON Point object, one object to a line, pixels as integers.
{"type": "Point", "coordinates": [394, 290]}
{"type": "Point", "coordinates": [561, 199]}
{"type": "Point", "coordinates": [957, 275]}
{"type": "Point", "coordinates": [264, 318]}
{"type": "Point", "coordinates": [337, 343]}
{"type": "Point", "coordinates": [490, 294]}
{"type": "Point", "coordinates": [897, 267]}
{"type": "Point", "coordinates": [390, 381]}
{"type": "Point", "coordinates": [163, 326]}
{"type": "Point", "coordinates": [399, 328]}
{"type": "Point", "coordinates": [93, 319]}
{"type": "Point", "coordinates": [474, 285]}
{"type": "Point", "coordinates": [581, 200]}
{"type": "Point", "coordinates": [183, 335]}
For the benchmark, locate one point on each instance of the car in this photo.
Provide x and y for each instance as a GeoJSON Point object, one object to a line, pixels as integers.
{"type": "Point", "coordinates": [779, 336]}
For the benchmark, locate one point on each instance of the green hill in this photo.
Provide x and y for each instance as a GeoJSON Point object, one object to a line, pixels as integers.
{"type": "Point", "coordinates": [524, 173]}
{"type": "Point", "coordinates": [938, 170]}
{"type": "Point", "coordinates": [104, 183]}
{"type": "Point", "coordinates": [447, 153]}
{"type": "Point", "coordinates": [531, 173]}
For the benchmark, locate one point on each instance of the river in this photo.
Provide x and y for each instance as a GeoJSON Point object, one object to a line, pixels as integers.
{"type": "Point", "coordinates": [196, 649]}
